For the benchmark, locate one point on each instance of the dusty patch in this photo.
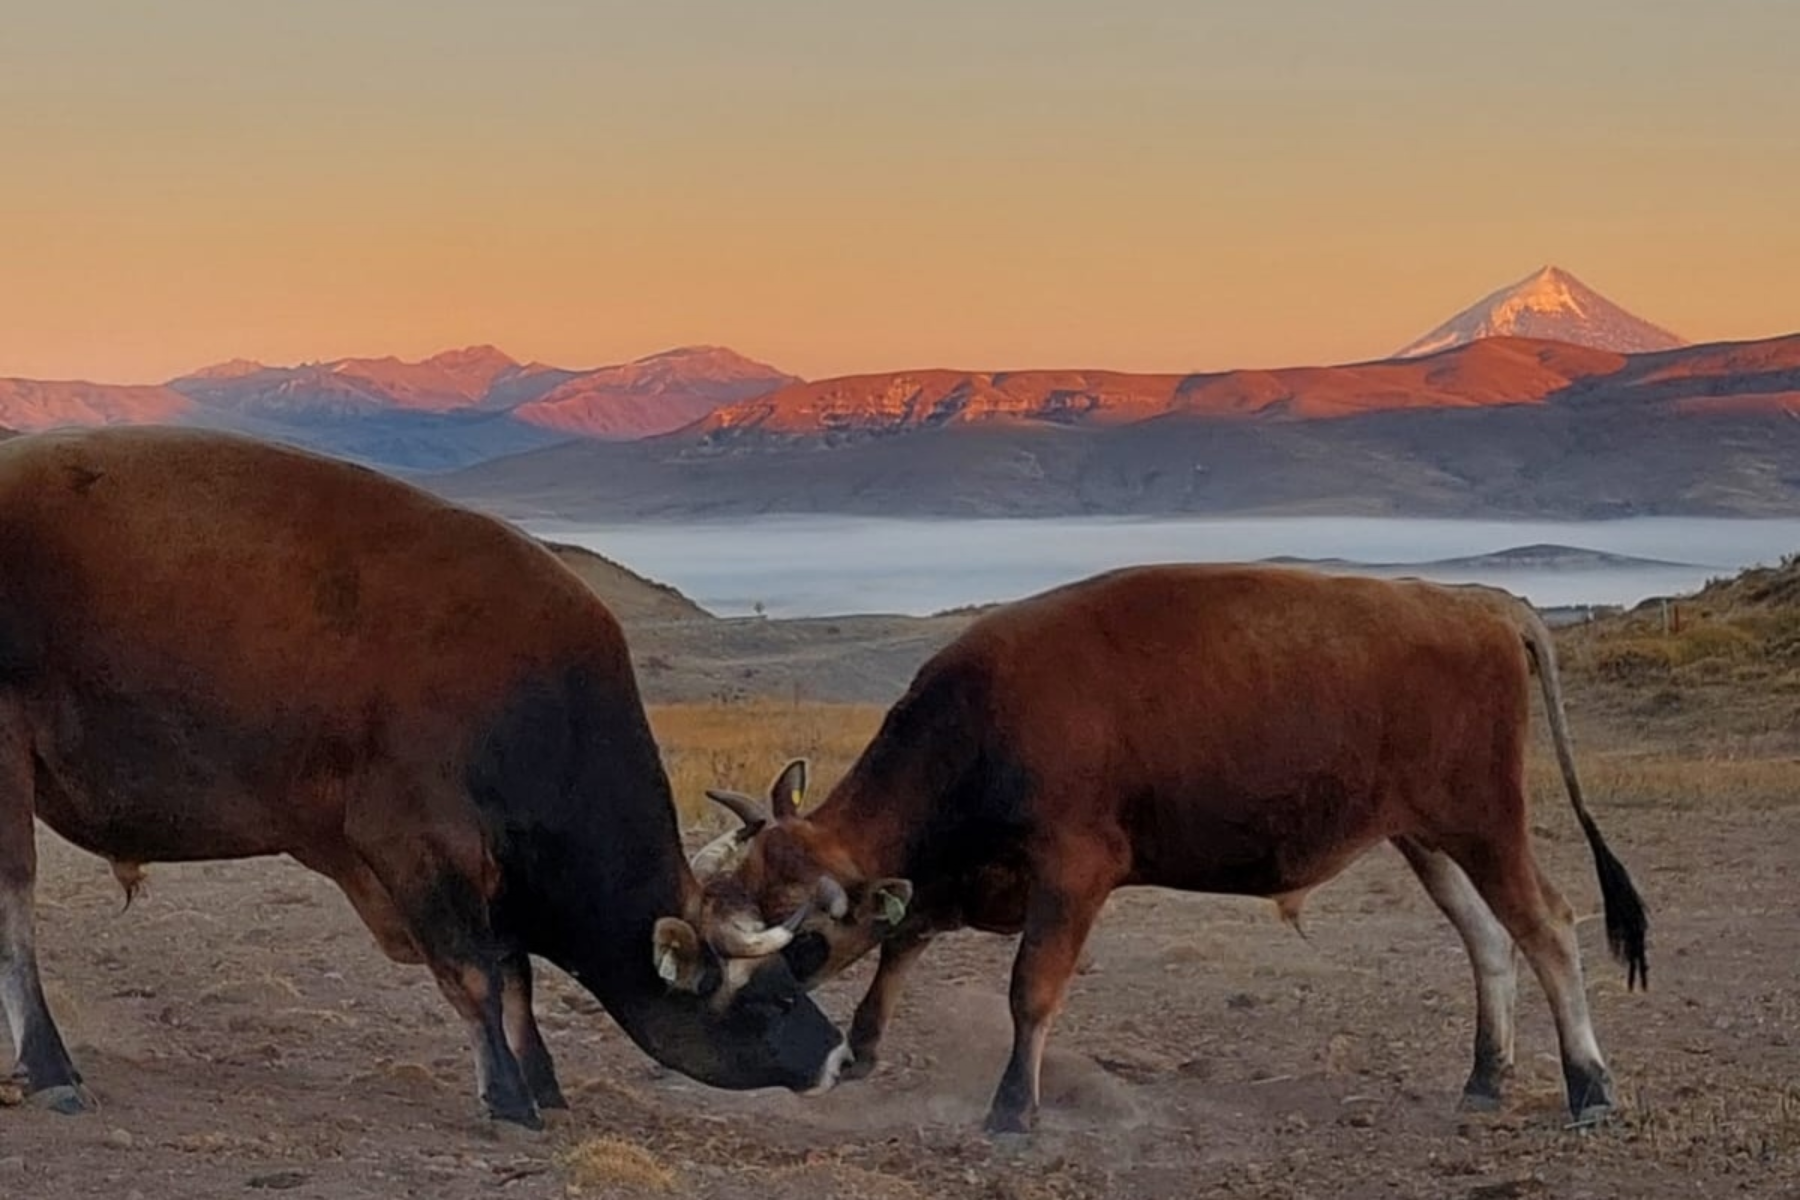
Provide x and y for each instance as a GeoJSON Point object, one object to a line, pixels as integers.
{"type": "Point", "coordinates": [244, 1038]}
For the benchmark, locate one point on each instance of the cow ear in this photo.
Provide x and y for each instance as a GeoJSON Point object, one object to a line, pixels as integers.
{"type": "Point", "coordinates": [679, 957]}
{"type": "Point", "coordinates": [789, 790]}
{"type": "Point", "coordinates": [885, 902]}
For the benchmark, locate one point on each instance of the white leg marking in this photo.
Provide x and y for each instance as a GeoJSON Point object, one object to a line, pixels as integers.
{"type": "Point", "coordinates": [1491, 949]}
{"type": "Point", "coordinates": [17, 949]}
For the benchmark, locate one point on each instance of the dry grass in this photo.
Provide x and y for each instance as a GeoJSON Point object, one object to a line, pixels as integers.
{"type": "Point", "coordinates": [610, 1164]}
{"type": "Point", "coordinates": [1752, 619]}
{"type": "Point", "coordinates": [842, 1179]}
{"type": "Point", "coordinates": [251, 990]}
{"type": "Point", "coordinates": [1756, 1125]}
{"type": "Point", "coordinates": [1677, 783]}
{"type": "Point", "coordinates": [1722, 665]}
{"type": "Point", "coordinates": [743, 745]}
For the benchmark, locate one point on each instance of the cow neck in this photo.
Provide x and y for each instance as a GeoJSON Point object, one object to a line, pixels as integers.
{"type": "Point", "coordinates": [599, 888]}
{"type": "Point", "coordinates": [606, 945]}
{"type": "Point", "coordinates": [906, 789]}
{"type": "Point", "coordinates": [881, 828]}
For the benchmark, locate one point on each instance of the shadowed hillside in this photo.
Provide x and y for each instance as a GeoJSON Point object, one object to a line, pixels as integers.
{"type": "Point", "coordinates": [1500, 428]}
{"type": "Point", "coordinates": [631, 597]}
{"type": "Point", "coordinates": [1713, 673]}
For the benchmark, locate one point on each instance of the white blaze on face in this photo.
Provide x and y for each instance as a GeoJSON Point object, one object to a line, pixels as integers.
{"type": "Point", "coordinates": [834, 1066]}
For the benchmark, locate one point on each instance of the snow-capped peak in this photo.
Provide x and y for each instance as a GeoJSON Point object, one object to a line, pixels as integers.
{"type": "Point", "coordinates": [1549, 303]}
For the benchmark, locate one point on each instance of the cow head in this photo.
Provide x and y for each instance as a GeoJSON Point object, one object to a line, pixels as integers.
{"type": "Point", "coordinates": [779, 866]}
{"type": "Point", "coordinates": [736, 1021]}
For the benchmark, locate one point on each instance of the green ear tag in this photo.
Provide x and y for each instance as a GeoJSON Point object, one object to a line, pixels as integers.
{"type": "Point", "coordinates": [893, 908]}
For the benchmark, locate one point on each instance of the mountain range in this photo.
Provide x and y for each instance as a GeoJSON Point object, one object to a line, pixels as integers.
{"type": "Point", "coordinates": [1498, 427]}
{"type": "Point", "coordinates": [452, 409]}
{"type": "Point", "coordinates": [1608, 415]}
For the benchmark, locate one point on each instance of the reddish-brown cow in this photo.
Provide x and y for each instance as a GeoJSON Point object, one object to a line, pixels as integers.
{"type": "Point", "coordinates": [215, 648]}
{"type": "Point", "coordinates": [1222, 729]}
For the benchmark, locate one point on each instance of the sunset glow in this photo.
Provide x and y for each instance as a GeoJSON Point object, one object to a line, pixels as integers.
{"type": "Point", "coordinates": [845, 187]}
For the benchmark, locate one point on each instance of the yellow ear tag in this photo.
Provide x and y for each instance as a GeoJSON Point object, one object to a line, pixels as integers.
{"type": "Point", "coordinates": [796, 800]}
{"type": "Point", "coordinates": [666, 966]}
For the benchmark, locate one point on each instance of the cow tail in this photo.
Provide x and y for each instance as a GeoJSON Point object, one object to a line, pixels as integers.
{"type": "Point", "coordinates": [1627, 925]}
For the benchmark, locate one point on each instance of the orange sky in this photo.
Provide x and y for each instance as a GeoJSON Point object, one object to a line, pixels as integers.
{"type": "Point", "coordinates": [837, 186]}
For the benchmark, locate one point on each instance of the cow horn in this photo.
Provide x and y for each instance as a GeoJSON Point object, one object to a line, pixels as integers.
{"type": "Point", "coordinates": [744, 808]}
{"type": "Point", "coordinates": [793, 923]}
{"type": "Point", "coordinates": [734, 939]}
{"type": "Point", "coordinates": [831, 896]}
{"type": "Point", "coordinates": [717, 857]}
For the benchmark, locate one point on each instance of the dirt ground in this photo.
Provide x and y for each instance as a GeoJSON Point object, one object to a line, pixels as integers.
{"type": "Point", "coordinates": [244, 1037]}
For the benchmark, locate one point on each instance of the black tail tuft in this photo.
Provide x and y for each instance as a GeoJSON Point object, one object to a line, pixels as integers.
{"type": "Point", "coordinates": [1627, 925]}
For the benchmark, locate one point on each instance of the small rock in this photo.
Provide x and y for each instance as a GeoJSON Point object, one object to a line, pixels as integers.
{"type": "Point", "coordinates": [1511, 1189]}
{"type": "Point", "coordinates": [120, 1138]}
{"type": "Point", "coordinates": [9, 1165]}
{"type": "Point", "coordinates": [277, 1180]}
{"type": "Point", "coordinates": [1360, 1118]}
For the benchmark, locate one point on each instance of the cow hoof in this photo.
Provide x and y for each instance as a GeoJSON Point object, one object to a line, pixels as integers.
{"type": "Point", "coordinates": [860, 1067]}
{"type": "Point", "coordinates": [1590, 1116]}
{"type": "Point", "coordinates": [67, 1099]}
{"type": "Point", "coordinates": [526, 1120]}
{"type": "Point", "coordinates": [1478, 1102]}
{"type": "Point", "coordinates": [1590, 1092]}
{"type": "Point", "coordinates": [1008, 1127]}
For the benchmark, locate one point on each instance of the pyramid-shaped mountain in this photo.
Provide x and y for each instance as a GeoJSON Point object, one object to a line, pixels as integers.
{"type": "Point", "coordinates": [1553, 305]}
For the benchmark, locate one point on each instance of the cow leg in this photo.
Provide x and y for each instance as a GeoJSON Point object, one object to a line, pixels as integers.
{"type": "Point", "coordinates": [1064, 903]}
{"type": "Point", "coordinates": [522, 1034]}
{"type": "Point", "coordinates": [42, 1059]}
{"type": "Point", "coordinates": [470, 975]}
{"type": "Point", "coordinates": [369, 898]}
{"type": "Point", "coordinates": [1543, 925]}
{"type": "Point", "coordinates": [476, 991]}
{"type": "Point", "coordinates": [898, 953]}
{"type": "Point", "coordinates": [1494, 958]}
{"type": "Point", "coordinates": [441, 880]}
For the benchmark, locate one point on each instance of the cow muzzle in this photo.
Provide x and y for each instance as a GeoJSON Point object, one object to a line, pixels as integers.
{"type": "Point", "coordinates": [834, 1066]}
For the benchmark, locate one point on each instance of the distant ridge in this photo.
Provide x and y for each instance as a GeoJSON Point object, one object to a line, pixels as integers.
{"type": "Point", "coordinates": [1552, 304]}
{"type": "Point", "coordinates": [1489, 373]}
{"type": "Point", "coordinates": [1502, 427]}
{"type": "Point", "coordinates": [449, 410]}
{"type": "Point", "coordinates": [1538, 556]}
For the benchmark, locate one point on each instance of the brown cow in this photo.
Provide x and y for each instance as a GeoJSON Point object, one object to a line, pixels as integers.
{"type": "Point", "coordinates": [216, 648]}
{"type": "Point", "coordinates": [1237, 730]}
